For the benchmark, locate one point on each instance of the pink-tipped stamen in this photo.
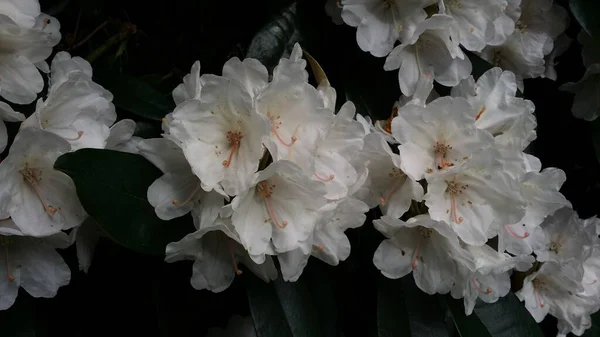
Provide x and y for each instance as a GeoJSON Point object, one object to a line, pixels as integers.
{"type": "Point", "coordinates": [233, 259]}
{"type": "Point", "coordinates": [478, 287]}
{"type": "Point", "coordinates": [32, 176]}
{"type": "Point", "coordinates": [515, 235]}
{"type": "Point", "coordinates": [539, 299]}
{"type": "Point", "coordinates": [234, 139]}
{"type": "Point", "coordinates": [391, 191]}
{"type": "Point", "coordinates": [328, 179]}
{"type": "Point", "coordinates": [415, 257]}
{"type": "Point", "coordinates": [267, 191]}
{"type": "Point", "coordinates": [79, 134]}
{"type": "Point", "coordinates": [177, 203]}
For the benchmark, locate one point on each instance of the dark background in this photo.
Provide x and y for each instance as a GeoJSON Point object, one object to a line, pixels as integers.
{"type": "Point", "coordinates": [127, 293]}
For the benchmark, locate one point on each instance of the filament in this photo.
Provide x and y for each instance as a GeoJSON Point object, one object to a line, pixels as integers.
{"type": "Point", "coordinates": [177, 203]}
{"type": "Point", "coordinates": [9, 276]}
{"type": "Point", "coordinates": [329, 178]}
{"type": "Point", "coordinates": [79, 134]}
{"type": "Point", "coordinates": [478, 287]}
{"type": "Point", "coordinates": [515, 235]}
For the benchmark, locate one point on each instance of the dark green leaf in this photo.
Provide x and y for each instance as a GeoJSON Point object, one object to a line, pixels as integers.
{"type": "Point", "coordinates": [135, 96]}
{"type": "Point", "coordinates": [392, 317]}
{"type": "Point", "coordinates": [425, 314]}
{"type": "Point", "coordinates": [271, 42]}
{"type": "Point", "coordinates": [282, 309]}
{"type": "Point", "coordinates": [112, 187]}
{"type": "Point", "coordinates": [467, 326]}
{"type": "Point", "coordinates": [587, 12]}
{"type": "Point", "coordinates": [507, 318]}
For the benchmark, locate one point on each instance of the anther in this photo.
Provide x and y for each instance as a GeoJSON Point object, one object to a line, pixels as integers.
{"type": "Point", "coordinates": [79, 134]}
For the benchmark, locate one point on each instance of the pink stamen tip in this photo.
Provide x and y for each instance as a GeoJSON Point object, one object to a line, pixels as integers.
{"type": "Point", "coordinates": [329, 178]}
{"type": "Point", "coordinates": [79, 134]}
{"type": "Point", "coordinates": [189, 198]}
{"type": "Point", "coordinates": [415, 258]}
{"type": "Point", "coordinates": [515, 235]}
{"type": "Point", "coordinates": [9, 276]}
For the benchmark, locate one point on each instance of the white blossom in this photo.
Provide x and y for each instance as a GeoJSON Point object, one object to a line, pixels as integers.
{"type": "Point", "coordinates": [77, 109]}
{"type": "Point", "coordinates": [432, 52]}
{"type": "Point", "coordinates": [423, 246]}
{"type": "Point", "coordinates": [31, 263]}
{"type": "Point", "coordinates": [380, 23]}
{"type": "Point", "coordinates": [26, 43]}
{"type": "Point", "coordinates": [40, 200]}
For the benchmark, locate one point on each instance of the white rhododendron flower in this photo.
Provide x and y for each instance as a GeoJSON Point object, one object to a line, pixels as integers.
{"type": "Point", "coordinates": [297, 113]}
{"type": "Point", "coordinates": [585, 103]}
{"type": "Point", "coordinates": [537, 24]}
{"type": "Point", "coordinates": [475, 197]}
{"type": "Point", "coordinates": [390, 188]}
{"type": "Point", "coordinates": [216, 252]}
{"type": "Point", "coordinates": [475, 18]}
{"type": "Point", "coordinates": [121, 138]}
{"type": "Point", "coordinates": [491, 278]}
{"type": "Point", "coordinates": [77, 109]}
{"type": "Point", "coordinates": [31, 263]}
{"type": "Point", "coordinates": [40, 200]}
{"type": "Point", "coordinates": [221, 135]}
{"type": "Point", "coordinates": [427, 248]}
{"type": "Point", "coordinates": [281, 205]}
{"type": "Point", "coordinates": [380, 23]}
{"type": "Point", "coordinates": [437, 137]}
{"type": "Point", "coordinates": [191, 86]}
{"type": "Point", "coordinates": [433, 51]}
{"type": "Point", "coordinates": [496, 109]}
{"type": "Point", "coordinates": [28, 37]}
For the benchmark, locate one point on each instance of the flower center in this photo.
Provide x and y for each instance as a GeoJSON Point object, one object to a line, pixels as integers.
{"type": "Point", "coordinates": [521, 26]}
{"type": "Point", "coordinates": [454, 188]}
{"type": "Point", "coordinates": [234, 138]}
{"type": "Point", "coordinates": [33, 176]}
{"type": "Point", "coordinates": [441, 150]}
{"type": "Point", "coordinates": [266, 190]}
{"type": "Point", "coordinates": [4, 242]}
{"type": "Point", "coordinates": [555, 246]}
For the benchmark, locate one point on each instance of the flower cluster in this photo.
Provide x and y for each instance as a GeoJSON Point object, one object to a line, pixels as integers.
{"type": "Point", "coordinates": [266, 167]}
{"type": "Point", "coordinates": [515, 35]}
{"type": "Point", "coordinates": [467, 150]}
{"type": "Point", "coordinates": [37, 203]}
{"type": "Point", "coordinates": [566, 282]}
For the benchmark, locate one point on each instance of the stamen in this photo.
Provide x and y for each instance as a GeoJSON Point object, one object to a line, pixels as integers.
{"type": "Point", "coordinates": [9, 276]}
{"type": "Point", "coordinates": [478, 286]}
{"type": "Point", "coordinates": [539, 299]}
{"type": "Point", "coordinates": [592, 283]}
{"type": "Point", "coordinates": [515, 235]}
{"type": "Point", "coordinates": [274, 126]}
{"type": "Point", "coordinates": [480, 113]}
{"type": "Point", "coordinates": [386, 199]}
{"type": "Point", "coordinates": [79, 134]}
{"type": "Point", "coordinates": [177, 203]}
{"type": "Point", "coordinates": [319, 249]}
{"type": "Point", "coordinates": [454, 188]}
{"type": "Point", "coordinates": [232, 253]}
{"type": "Point", "coordinates": [234, 138]}
{"type": "Point", "coordinates": [33, 176]}
{"type": "Point", "coordinates": [294, 139]}
{"type": "Point", "coordinates": [415, 257]}
{"type": "Point", "coordinates": [267, 190]}
{"type": "Point", "coordinates": [329, 178]}
{"type": "Point", "coordinates": [442, 149]}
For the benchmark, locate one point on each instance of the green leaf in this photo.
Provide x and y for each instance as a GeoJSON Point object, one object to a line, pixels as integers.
{"type": "Point", "coordinates": [392, 317]}
{"type": "Point", "coordinates": [507, 318]}
{"type": "Point", "coordinates": [587, 12]}
{"type": "Point", "coordinates": [112, 187]}
{"type": "Point", "coordinates": [135, 95]}
{"type": "Point", "coordinates": [271, 41]}
{"type": "Point", "coordinates": [467, 326]}
{"type": "Point", "coordinates": [282, 309]}
{"type": "Point", "coordinates": [425, 314]}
